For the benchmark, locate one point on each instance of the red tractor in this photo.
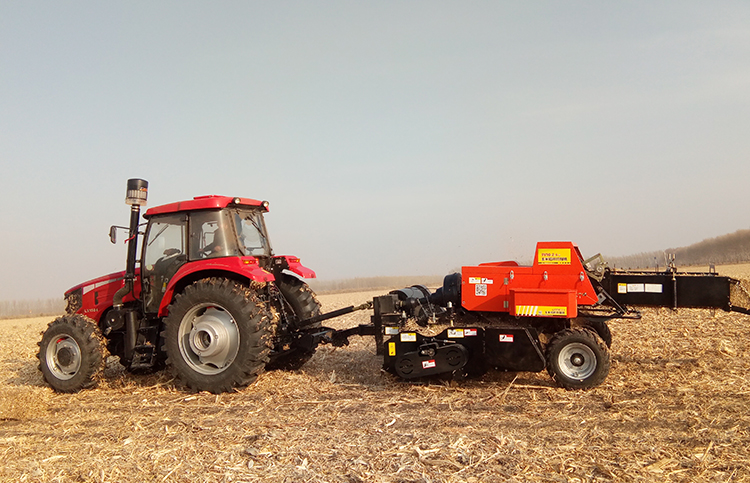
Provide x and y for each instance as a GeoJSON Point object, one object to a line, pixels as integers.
{"type": "Point", "coordinates": [209, 300]}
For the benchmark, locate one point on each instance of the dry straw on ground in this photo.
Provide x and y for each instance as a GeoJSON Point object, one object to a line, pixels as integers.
{"type": "Point", "coordinates": [674, 408]}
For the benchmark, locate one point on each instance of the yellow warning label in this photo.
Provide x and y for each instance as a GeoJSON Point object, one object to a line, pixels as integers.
{"type": "Point", "coordinates": [408, 336]}
{"type": "Point", "coordinates": [552, 311]}
{"type": "Point", "coordinates": [391, 349]}
{"type": "Point", "coordinates": [541, 311]}
{"type": "Point", "coordinates": [554, 256]}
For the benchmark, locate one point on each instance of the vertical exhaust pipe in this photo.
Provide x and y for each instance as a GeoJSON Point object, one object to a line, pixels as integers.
{"type": "Point", "coordinates": [136, 196]}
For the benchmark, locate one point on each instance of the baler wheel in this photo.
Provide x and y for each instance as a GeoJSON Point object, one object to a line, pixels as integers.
{"type": "Point", "coordinates": [577, 358]}
{"type": "Point", "coordinates": [72, 353]}
{"type": "Point", "coordinates": [217, 335]}
{"type": "Point", "coordinates": [601, 328]}
{"type": "Point", "coordinates": [302, 301]}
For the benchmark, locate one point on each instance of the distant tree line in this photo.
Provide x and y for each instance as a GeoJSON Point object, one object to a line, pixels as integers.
{"type": "Point", "coordinates": [31, 308]}
{"type": "Point", "coordinates": [641, 260]}
{"type": "Point", "coordinates": [725, 249]}
{"type": "Point", "coordinates": [722, 250]}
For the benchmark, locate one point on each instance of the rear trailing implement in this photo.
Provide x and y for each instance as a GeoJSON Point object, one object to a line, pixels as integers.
{"type": "Point", "coordinates": [551, 315]}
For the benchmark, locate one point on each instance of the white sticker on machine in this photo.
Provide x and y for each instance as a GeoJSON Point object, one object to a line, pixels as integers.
{"type": "Point", "coordinates": [640, 288]}
{"type": "Point", "coordinates": [474, 280]}
{"type": "Point", "coordinates": [480, 290]}
{"type": "Point", "coordinates": [455, 333]}
{"type": "Point", "coordinates": [506, 337]}
{"type": "Point", "coordinates": [408, 337]}
{"type": "Point", "coordinates": [636, 288]}
{"type": "Point", "coordinates": [428, 364]}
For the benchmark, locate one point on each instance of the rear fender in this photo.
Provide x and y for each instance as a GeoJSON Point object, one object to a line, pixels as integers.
{"type": "Point", "coordinates": [231, 267]}
{"type": "Point", "coordinates": [291, 263]}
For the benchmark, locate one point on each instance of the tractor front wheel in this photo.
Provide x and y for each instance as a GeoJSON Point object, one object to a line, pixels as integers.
{"type": "Point", "coordinates": [217, 335]}
{"type": "Point", "coordinates": [71, 353]}
{"type": "Point", "coordinates": [577, 358]}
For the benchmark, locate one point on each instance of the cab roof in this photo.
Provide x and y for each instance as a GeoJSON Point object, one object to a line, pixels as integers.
{"type": "Point", "coordinates": [208, 202]}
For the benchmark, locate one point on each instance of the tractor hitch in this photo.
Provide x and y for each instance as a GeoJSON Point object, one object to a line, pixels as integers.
{"type": "Point", "coordinates": [335, 313]}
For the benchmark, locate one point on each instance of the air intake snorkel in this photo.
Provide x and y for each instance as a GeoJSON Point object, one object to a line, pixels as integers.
{"type": "Point", "coordinates": [136, 196]}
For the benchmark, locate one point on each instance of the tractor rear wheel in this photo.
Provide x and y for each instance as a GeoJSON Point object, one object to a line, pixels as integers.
{"type": "Point", "coordinates": [71, 353]}
{"type": "Point", "coordinates": [577, 358]}
{"type": "Point", "coordinates": [302, 301]}
{"type": "Point", "coordinates": [217, 335]}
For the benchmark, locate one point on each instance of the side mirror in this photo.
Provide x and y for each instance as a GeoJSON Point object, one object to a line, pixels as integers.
{"type": "Point", "coordinates": [113, 234]}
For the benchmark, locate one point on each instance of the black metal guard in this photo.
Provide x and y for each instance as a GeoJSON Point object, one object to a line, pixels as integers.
{"type": "Point", "coordinates": [670, 289]}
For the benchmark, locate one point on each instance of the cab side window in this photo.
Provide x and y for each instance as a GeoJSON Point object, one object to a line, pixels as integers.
{"type": "Point", "coordinates": [164, 254]}
{"type": "Point", "coordinates": [209, 235]}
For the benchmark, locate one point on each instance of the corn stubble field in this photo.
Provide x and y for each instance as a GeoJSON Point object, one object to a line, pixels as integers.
{"type": "Point", "coordinates": [674, 408]}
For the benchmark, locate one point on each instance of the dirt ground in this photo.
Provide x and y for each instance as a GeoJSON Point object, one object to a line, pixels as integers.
{"type": "Point", "coordinates": [674, 408]}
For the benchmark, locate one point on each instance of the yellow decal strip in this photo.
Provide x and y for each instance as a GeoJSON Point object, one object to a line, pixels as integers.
{"type": "Point", "coordinates": [541, 311]}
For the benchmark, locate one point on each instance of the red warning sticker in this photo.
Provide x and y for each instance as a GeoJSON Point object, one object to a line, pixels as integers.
{"type": "Point", "coordinates": [506, 337]}
{"type": "Point", "coordinates": [428, 364]}
{"type": "Point", "coordinates": [470, 332]}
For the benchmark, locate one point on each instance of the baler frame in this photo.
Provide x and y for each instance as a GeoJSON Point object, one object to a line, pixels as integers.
{"type": "Point", "coordinates": [508, 339]}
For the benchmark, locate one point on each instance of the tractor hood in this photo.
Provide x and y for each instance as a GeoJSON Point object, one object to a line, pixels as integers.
{"type": "Point", "coordinates": [101, 282]}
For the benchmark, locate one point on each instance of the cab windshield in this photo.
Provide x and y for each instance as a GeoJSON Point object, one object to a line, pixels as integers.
{"type": "Point", "coordinates": [251, 233]}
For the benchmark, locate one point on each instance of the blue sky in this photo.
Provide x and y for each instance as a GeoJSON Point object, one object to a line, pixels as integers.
{"type": "Point", "coordinates": [391, 138]}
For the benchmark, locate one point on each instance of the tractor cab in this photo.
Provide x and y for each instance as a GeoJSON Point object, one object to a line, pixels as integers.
{"type": "Point", "coordinates": [204, 228]}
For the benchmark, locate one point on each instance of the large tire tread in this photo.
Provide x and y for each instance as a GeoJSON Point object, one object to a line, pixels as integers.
{"type": "Point", "coordinates": [255, 327]}
{"type": "Point", "coordinates": [580, 335]}
{"type": "Point", "coordinates": [304, 304]}
{"type": "Point", "coordinates": [301, 298]}
{"type": "Point", "coordinates": [92, 346]}
{"type": "Point", "coordinates": [599, 326]}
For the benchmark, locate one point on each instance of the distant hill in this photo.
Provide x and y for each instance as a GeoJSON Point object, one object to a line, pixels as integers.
{"type": "Point", "coordinates": [722, 250]}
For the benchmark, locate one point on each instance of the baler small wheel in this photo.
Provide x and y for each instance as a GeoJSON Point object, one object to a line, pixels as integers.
{"type": "Point", "coordinates": [302, 301]}
{"type": "Point", "coordinates": [577, 358]}
{"type": "Point", "coordinates": [602, 330]}
{"type": "Point", "coordinates": [217, 335]}
{"type": "Point", "coordinates": [71, 353]}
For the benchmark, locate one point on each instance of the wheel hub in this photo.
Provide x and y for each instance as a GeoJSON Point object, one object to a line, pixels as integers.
{"type": "Point", "coordinates": [64, 357]}
{"type": "Point", "coordinates": [209, 339]}
{"type": "Point", "coordinates": [577, 361]}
